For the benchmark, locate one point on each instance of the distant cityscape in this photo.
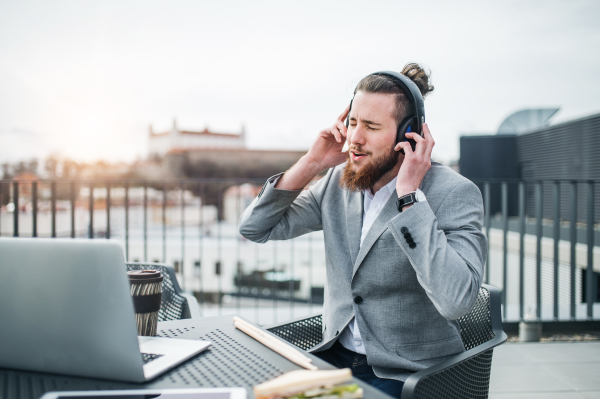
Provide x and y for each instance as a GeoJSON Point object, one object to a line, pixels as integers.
{"type": "Point", "coordinates": [181, 206]}
{"type": "Point", "coordinates": [174, 153]}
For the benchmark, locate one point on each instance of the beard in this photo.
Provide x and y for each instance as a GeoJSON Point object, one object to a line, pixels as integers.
{"type": "Point", "coordinates": [366, 177]}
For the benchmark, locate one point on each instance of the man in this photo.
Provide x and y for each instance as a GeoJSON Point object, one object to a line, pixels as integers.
{"type": "Point", "coordinates": [397, 276]}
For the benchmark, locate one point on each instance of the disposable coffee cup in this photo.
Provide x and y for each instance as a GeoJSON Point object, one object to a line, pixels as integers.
{"type": "Point", "coordinates": [146, 290]}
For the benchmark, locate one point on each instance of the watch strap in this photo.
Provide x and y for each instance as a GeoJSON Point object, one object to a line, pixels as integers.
{"type": "Point", "coordinates": [405, 200]}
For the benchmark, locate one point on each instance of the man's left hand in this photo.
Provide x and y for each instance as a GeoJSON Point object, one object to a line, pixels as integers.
{"type": "Point", "coordinates": [416, 163]}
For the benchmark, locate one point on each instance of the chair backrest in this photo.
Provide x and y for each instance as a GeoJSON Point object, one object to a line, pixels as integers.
{"type": "Point", "coordinates": [173, 306]}
{"type": "Point", "coordinates": [305, 333]}
{"type": "Point", "coordinates": [476, 326]}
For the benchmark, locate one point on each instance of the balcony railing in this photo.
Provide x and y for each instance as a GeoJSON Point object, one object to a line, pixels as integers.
{"type": "Point", "coordinates": [544, 268]}
{"type": "Point", "coordinates": [542, 249]}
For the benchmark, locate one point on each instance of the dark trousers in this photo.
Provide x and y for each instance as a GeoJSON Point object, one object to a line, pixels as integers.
{"type": "Point", "coordinates": [341, 358]}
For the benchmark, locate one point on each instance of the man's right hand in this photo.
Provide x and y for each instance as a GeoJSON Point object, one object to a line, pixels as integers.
{"type": "Point", "coordinates": [325, 152]}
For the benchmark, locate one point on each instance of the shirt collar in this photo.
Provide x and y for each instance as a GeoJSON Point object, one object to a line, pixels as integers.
{"type": "Point", "coordinates": [390, 187]}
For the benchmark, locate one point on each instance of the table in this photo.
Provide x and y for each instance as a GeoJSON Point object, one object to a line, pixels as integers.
{"type": "Point", "coordinates": [233, 359]}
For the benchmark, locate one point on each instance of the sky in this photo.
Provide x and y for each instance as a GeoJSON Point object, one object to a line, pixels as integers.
{"type": "Point", "coordinates": [86, 79]}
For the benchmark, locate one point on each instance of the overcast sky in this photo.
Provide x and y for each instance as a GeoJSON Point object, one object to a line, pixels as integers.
{"type": "Point", "coordinates": [85, 79]}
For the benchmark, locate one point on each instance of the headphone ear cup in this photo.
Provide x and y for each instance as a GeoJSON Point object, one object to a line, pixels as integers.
{"type": "Point", "coordinates": [406, 126]}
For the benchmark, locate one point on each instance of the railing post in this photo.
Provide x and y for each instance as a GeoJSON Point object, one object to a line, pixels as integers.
{"type": "Point", "coordinates": [573, 240]}
{"type": "Point", "coordinates": [200, 236]}
{"type": "Point", "coordinates": [238, 260]}
{"type": "Point", "coordinates": [72, 199]}
{"type": "Point", "coordinates": [182, 234]}
{"type": "Point", "coordinates": [34, 211]}
{"type": "Point", "coordinates": [127, 220]}
{"type": "Point", "coordinates": [310, 271]}
{"type": "Point", "coordinates": [107, 210]}
{"type": "Point", "coordinates": [486, 194]}
{"type": "Point", "coordinates": [53, 208]}
{"type": "Point", "coordinates": [91, 209]}
{"type": "Point", "coordinates": [591, 286]}
{"type": "Point", "coordinates": [504, 187]}
{"type": "Point", "coordinates": [145, 221]}
{"type": "Point", "coordinates": [291, 280]}
{"type": "Point", "coordinates": [273, 283]}
{"type": "Point", "coordinates": [255, 288]}
{"type": "Point", "coordinates": [219, 246]}
{"type": "Point", "coordinates": [556, 237]}
{"type": "Point", "coordinates": [538, 249]}
{"type": "Point", "coordinates": [164, 224]}
{"type": "Point", "coordinates": [521, 250]}
{"type": "Point", "coordinates": [16, 209]}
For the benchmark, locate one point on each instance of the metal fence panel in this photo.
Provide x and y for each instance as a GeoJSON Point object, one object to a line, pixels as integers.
{"type": "Point", "coordinates": [543, 265]}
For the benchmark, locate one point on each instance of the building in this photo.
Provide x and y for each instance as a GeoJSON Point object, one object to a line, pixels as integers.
{"type": "Point", "coordinates": [175, 139]}
{"type": "Point", "coordinates": [207, 154]}
{"type": "Point", "coordinates": [229, 163]}
{"type": "Point", "coordinates": [526, 148]}
{"type": "Point", "coordinates": [221, 159]}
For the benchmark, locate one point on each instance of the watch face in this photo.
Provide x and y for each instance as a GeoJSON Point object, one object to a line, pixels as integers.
{"type": "Point", "coordinates": [420, 196]}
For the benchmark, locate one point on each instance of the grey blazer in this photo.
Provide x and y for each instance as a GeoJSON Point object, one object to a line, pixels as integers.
{"type": "Point", "coordinates": [405, 298]}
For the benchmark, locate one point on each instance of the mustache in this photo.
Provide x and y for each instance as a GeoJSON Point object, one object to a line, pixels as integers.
{"type": "Point", "coordinates": [354, 148]}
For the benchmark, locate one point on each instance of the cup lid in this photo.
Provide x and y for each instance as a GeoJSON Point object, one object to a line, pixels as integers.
{"type": "Point", "coordinates": [144, 276]}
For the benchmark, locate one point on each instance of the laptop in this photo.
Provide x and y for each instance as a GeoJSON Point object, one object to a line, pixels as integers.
{"type": "Point", "coordinates": [66, 308]}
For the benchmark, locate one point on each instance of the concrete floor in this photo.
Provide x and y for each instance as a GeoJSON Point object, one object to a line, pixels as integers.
{"type": "Point", "coordinates": [566, 370]}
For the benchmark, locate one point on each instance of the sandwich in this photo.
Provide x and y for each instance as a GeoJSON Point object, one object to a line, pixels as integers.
{"type": "Point", "coordinates": [309, 384]}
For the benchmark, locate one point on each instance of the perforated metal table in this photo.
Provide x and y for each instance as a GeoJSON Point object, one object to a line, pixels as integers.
{"type": "Point", "coordinates": [233, 359]}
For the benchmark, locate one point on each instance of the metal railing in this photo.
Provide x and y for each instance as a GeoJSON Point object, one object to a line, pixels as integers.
{"type": "Point", "coordinates": [191, 224]}
{"type": "Point", "coordinates": [537, 225]}
{"type": "Point", "coordinates": [545, 269]}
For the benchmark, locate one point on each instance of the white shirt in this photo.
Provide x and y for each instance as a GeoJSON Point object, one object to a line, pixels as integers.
{"type": "Point", "coordinates": [372, 205]}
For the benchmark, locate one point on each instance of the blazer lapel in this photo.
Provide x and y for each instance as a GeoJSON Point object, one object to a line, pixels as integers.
{"type": "Point", "coordinates": [354, 218]}
{"type": "Point", "coordinates": [388, 212]}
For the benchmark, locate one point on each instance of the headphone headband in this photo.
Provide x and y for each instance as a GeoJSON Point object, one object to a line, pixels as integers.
{"type": "Point", "coordinates": [413, 122]}
{"type": "Point", "coordinates": [412, 91]}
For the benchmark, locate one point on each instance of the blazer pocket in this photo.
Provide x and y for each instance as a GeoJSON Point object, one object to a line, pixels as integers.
{"type": "Point", "coordinates": [431, 350]}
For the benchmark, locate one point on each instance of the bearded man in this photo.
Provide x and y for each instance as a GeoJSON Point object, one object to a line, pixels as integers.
{"type": "Point", "coordinates": [398, 274]}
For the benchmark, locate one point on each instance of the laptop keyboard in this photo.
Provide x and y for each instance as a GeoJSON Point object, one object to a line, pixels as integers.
{"type": "Point", "coordinates": [148, 357]}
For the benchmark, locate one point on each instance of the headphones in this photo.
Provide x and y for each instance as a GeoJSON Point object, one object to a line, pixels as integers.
{"type": "Point", "coordinates": [414, 121]}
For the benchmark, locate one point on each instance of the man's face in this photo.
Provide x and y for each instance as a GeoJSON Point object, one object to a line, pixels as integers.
{"type": "Point", "coordinates": [371, 136]}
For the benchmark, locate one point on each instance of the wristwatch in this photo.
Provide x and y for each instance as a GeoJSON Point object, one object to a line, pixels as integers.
{"type": "Point", "coordinates": [410, 198]}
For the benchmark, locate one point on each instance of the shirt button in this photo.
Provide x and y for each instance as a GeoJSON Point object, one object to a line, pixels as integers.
{"type": "Point", "coordinates": [358, 300]}
{"type": "Point", "coordinates": [404, 230]}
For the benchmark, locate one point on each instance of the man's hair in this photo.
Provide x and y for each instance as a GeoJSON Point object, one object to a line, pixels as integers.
{"type": "Point", "coordinates": [385, 84]}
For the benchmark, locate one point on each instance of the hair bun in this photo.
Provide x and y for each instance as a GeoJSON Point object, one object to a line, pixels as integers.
{"type": "Point", "coordinates": [419, 76]}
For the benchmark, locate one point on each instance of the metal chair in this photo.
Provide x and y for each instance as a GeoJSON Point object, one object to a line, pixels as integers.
{"type": "Point", "coordinates": [466, 375]}
{"type": "Point", "coordinates": [175, 304]}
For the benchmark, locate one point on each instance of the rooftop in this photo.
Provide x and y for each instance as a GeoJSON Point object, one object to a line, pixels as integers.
{"type": "Point", "coordinates": [566, 370]}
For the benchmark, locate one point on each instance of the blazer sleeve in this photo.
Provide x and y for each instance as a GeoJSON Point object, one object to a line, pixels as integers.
{"type": "Point", "coordinates": [282, 214]}
{"type": "Point", "coordinates": [450, 249]}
